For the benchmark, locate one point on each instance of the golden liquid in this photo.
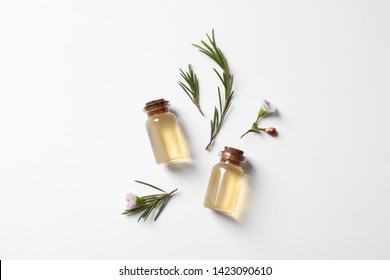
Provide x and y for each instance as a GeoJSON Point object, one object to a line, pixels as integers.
{"type": "Point", "coordinates": [224, 188]}
{"type": "Point", "coordinates": [165, 138]}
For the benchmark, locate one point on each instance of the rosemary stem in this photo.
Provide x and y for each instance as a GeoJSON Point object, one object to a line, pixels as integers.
{"type": "Point", "coordinates": [198, 106]}
{"type": "Point", "coordinates": [164, 196]}
{"type": "Point", "coordinates": [215, 133]}
{"type": "Point", "coordinates": [224, 112]}
{"type": "Point", "coordinates": [209, 144]}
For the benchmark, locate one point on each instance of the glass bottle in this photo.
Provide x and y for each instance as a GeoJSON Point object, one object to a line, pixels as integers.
{"type": "Point", "coordinates": [225, 182]}
{"type": "Point", "coordinates": [164, 133]}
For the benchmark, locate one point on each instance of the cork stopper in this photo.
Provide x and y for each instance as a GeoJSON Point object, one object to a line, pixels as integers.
{"type": "Point", "coordinates": [232, 155]}
{"type": "Point", "coordinates": [157, 106]}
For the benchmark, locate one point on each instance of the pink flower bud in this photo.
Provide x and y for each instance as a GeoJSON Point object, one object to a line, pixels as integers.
{"type": "Point", "coordinates": [271, 131]}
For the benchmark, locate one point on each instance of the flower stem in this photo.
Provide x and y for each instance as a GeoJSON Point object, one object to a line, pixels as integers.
{"type": "Point", "coordinates": [256, 129]}
{"type": "Point", "coordinates": [261, 113]}
{"type": "Point", "coordinates": [249, 130]}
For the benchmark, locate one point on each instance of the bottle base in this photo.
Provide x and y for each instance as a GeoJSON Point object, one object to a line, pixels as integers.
{"type": "Point", "coordinates": [173, 160]}
{"type": "Point", "coordinates": [220, 210]}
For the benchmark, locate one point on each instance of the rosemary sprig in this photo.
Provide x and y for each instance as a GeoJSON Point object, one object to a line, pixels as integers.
{"type": "Point", "coordinates": [213, 51]}
{"type": "Point", "coordinates": [146, 204]}
{"type": "Point", "coordinates": [192, 86]}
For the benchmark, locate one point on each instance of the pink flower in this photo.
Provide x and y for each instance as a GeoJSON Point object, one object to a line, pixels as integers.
{"type": "Point", "coordinates": [131, 201]}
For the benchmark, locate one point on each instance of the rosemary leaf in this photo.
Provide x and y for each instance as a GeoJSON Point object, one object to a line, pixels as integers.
{"type": "Point", "coordinates": [161, 208]}
{"type": "Point", "coordinates": [148, 211]}
{"type": "Point", "coordinates": [140, 182]}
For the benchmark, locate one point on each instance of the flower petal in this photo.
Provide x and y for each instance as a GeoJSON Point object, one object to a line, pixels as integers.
{"type": "Point", "coordinates": [267, 106]}
{"type": "Point", "coordinates": [131, 201]}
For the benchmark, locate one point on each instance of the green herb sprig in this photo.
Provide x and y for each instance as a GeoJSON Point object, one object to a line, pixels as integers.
{"type": "Point", "coordinates": [146, 204]}
{"type": "Point", "coordinates": [191, 88]}
{"type": "Point", "coordinates": [213, 51]}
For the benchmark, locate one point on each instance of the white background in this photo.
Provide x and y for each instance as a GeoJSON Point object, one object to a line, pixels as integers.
{"type": "Point", "coordinates": [74, 77]}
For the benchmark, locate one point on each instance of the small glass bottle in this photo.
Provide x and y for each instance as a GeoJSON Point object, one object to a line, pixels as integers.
{"type": "Point", "coordinates": [225, 182]}
{"type": "Point", "coordinates": [164, 133]}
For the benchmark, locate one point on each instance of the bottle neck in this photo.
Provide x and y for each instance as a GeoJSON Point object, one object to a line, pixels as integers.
{"type": "Point", "coordinates": [230, 161]}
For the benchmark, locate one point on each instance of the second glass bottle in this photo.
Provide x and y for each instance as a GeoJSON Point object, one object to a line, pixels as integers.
{"type": "Point", "coordinates": [226, 181]}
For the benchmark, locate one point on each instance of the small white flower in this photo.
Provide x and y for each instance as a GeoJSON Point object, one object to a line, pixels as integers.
{"type": "Point", "coordinates": [131, 201]}
{"type": "Point", "coordinates": [267, 106]}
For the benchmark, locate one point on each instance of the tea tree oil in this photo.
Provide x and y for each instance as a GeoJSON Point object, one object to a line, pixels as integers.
{"type": "Point", "coordinates": [225, 182]}
{"type": "Point", "coordinates": [164, 133]}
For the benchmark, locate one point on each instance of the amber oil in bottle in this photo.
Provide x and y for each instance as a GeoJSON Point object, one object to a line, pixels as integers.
{"type": "Point", "coordinates": [164, 133]}
{"type": "Point", "coordinates": [225, 182]}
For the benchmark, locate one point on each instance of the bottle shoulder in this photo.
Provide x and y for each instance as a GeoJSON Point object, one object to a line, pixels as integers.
{"type": "Point", "coordinates": [228, 167]}
{"type": "Point", "coordinates": [163, 117]}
